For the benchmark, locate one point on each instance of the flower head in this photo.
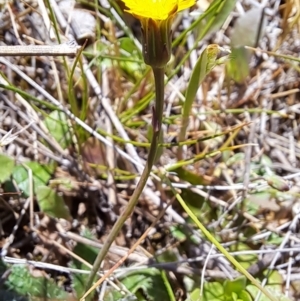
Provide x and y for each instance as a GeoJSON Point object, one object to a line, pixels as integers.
{"type": "Point", "coordinates": [156, 18]}
{"type": "Point", "coordinates": [156, 9]}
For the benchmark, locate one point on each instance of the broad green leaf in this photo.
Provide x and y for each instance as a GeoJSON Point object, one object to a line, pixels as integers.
{"type": "Point", "coordinates": [51, 203]}
{"type": "Point", "coordinates": [22, 282]}
{"type": "Point", "coordinates": [274, 285]}
{"type": "Point", "coordinates": [245, 296]}
{"type": "Point", "coordinates": [236, 285]}
{"type": "Point", "coordinates": [233, 297]}
{"type": "Point", "coordinates": [150, 282]}
{"type": "Point", "coordinates": [41, 175]}
{"type": "Point", "coordinates": [6, 167]}
{"type": "Point", "coordinates": [56, 123]}
{"type": "Point", "coordinates": [113, 295]}
{"type": "Point", "coordinates": [213, 291]}
{"type": "Point", "coordinates": [195, 295]}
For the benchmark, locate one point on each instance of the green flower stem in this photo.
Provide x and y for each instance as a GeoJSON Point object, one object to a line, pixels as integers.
{"type": "Point", "coordinates": [157, 123]}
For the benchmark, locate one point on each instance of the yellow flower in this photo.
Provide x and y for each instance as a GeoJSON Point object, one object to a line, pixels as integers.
{"type": "Point", "coordinates": [156, 18]}
{"type": "Point", "coordinates": [156, 9]}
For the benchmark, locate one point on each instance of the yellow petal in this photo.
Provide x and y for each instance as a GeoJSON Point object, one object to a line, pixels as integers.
{"type": "Point", "coordinates": [183, 4]}
{"type": "Point", "coordinates": [156, 9]}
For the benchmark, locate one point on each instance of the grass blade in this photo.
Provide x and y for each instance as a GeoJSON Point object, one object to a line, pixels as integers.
{"type": "Point", "coordinates": [204, 65]}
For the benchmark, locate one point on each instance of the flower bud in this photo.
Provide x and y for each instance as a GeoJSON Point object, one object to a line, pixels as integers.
{"type": "Point", "coordinates": [157, 41]}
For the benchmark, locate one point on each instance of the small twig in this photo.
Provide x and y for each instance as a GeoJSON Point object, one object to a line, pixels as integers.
{"type": "Point", "coordinates": [248, 153]}
{"type": "Point", "coordinates": [46, 19]}
{"type": "Point", "coordinates": [33, 50]}
{"type": "Point", "coordinates": [116, 250]}
{"type": "Point", "coordinates": [13, 22]}
{"type": "Point", "coordinates": [204, 269]}
{"type": "Point", "coordinates": [110, 155]}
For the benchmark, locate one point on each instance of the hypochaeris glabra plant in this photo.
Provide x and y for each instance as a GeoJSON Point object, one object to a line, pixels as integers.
{"type": "Point", "coordinates": [156, 17]}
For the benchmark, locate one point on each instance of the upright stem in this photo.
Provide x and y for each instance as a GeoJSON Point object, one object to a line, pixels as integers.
{"type": "Point", "coordinates": [159, 74]}
{"type": "Point", "coordinates": [157, 124]}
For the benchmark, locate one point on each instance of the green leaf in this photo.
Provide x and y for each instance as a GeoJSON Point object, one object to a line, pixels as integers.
{"type": "Point", "coordinates": [167, 256]}
{"type": "Point", "coordinates": [150, 282]}
{"type": "Point", "coordinates": [41, 175]}
{"type": "Point", "coordinates": [234, 286]}
{"type": "Point", "coordinates": [195, 295]}
{"type": "Point", "coordinates": [190, 177]}
{"type": "Point", "coordinates": [6, 167]}
{"type": "Point", "coordinates": [245, 260]}
{"type": "Point", "coordinates": [237, 67]}
{"type": "Point", "coordinates": [56, 123]}
{"type": "Point", "coordinates": [22, 282]}
{"type": "Point", "coordinates": [51, 203]}
{"type": "Point", "coordinates": [89, 254]}
{"type": "Point", "coordinates": [237, 158]}
{"type": "Point", "coordinates": [277, 182]}
{"type": "Point", "coordinates": [79, 282]}
{"type": "Point", "coordinates": [274, 285]}
{"type": "Point", "coordinates": [245, 296]}
{"type": "Point", "coordinates": [275, 239]}
{"type": "Point", "coordinates": [196, 203]}
{"type": "Point", "coordinates": [177, 232]}
{"type": "Point", "coordinates": [131, 62]}
{"type": "Point", "coordinates": [213, 291]}
{"type": "Point", "coordinates": [205, 63]}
